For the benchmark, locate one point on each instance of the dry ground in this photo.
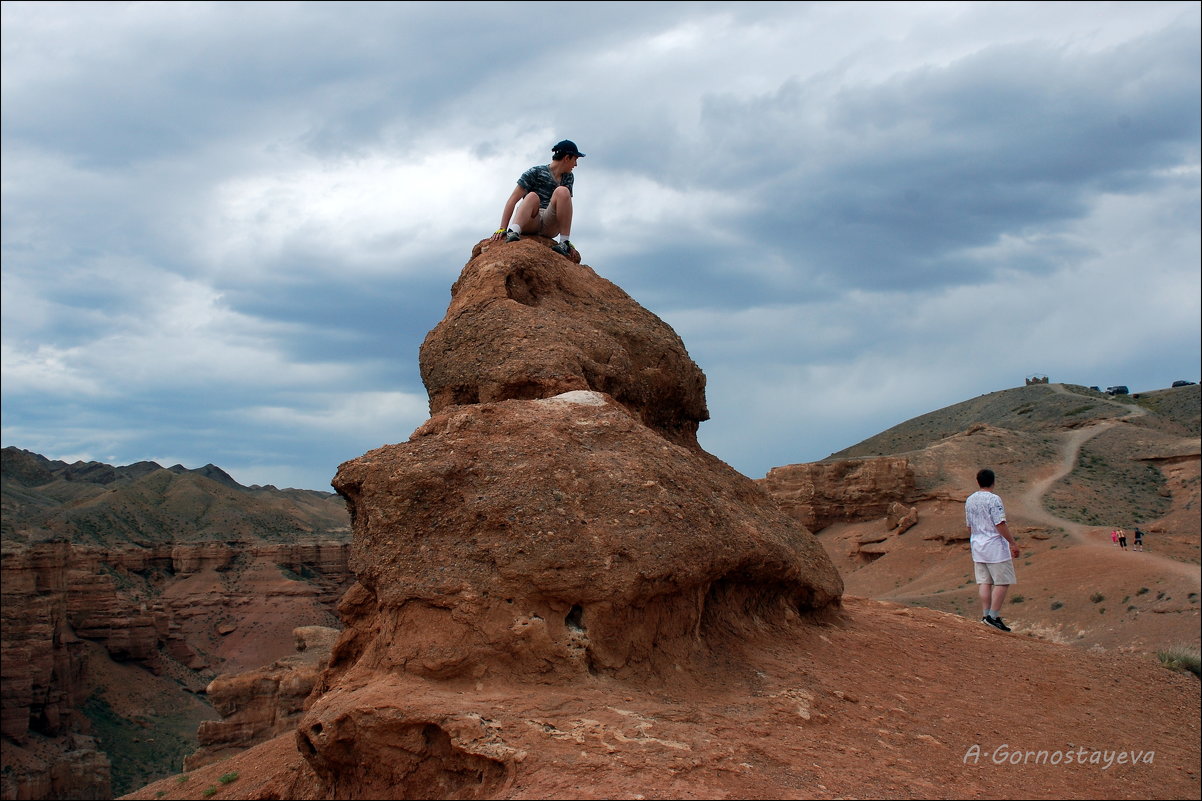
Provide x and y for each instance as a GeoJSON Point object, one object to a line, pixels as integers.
{"type": "Point", "coordinates": [880, 700]}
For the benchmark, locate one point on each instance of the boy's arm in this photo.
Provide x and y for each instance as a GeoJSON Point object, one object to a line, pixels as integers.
{"type": "Point", "coordinates": [507, 213]}
{"type": "Point", "coordinates": [1004, 530]}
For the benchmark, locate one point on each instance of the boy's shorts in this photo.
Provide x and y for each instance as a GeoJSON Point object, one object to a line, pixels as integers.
{"type": "Point", "coordinates": [995, 572]}
{"type": "Point", "coordinates": [549, 222]}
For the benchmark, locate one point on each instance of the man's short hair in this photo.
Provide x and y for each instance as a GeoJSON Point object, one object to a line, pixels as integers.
{"type": "Point", "coordinates": [985, 478]}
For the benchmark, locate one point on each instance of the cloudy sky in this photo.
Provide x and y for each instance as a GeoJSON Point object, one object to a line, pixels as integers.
{"type": "Point", "coordinates": [228, 226]}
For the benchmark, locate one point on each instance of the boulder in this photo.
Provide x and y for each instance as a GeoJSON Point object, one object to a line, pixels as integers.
{"type": "Point", "coordinates": [526, 323]}
{"type": "Point", "coordinates": [817, 494]}
{"type": "Point", "coordinates": [553, 530]}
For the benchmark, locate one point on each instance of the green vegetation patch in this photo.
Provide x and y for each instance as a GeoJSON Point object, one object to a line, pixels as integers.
{"type": "Point", "coordinates": [1183, 658]}
{"type": "Point", "coordinates": [141, 749]}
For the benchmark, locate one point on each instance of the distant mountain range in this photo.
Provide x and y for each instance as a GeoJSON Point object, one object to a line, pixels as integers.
{"type": "Point", "coordinates": [148, 504]}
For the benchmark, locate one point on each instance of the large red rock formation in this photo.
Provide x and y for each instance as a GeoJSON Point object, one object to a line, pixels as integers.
{"type": "Point", "coordinates": [817, 494]}
{"type": "Point", "coordinates": [260, 704]}
{"type": "Point", "coordinates": [523, 323]}
{"type": "Point", "coordinates": [554, 524]}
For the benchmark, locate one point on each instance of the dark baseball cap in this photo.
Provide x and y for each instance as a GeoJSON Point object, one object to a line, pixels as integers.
{"type": "Point", "coordinates": [567, 146]}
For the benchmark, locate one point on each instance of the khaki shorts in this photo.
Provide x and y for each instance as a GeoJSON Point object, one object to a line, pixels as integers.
{"type": "Point", "coordinates": [549, 221]}
{"type": "Point", "coordinates": [995, 572]}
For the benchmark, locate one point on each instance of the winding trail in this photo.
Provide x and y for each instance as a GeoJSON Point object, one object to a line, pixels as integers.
{"type": "Point", "coordinates": [1030, 503]}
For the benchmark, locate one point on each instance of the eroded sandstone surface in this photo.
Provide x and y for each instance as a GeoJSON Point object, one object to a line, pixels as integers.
{"type": "Point", "coordinates": [553, 525]}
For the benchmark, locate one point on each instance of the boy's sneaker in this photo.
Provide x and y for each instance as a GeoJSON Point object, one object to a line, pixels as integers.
{"type": "Point", "coordinates": [996, 622]}
{"type": "Point", "coordinates": [563, 248]}
{"type": "Point", "coordinates": [512, 235]}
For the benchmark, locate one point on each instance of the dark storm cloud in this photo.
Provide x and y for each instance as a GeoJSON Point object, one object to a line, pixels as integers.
{"type": "Point", "coordinates": [893, 181]}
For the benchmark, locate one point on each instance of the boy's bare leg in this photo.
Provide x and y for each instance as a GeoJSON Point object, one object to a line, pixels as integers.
{"type": "Point", "coordinates": [526, 214]}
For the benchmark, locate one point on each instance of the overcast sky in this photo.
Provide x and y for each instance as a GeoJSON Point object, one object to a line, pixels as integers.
{"type": "Point", "coordinates": [228, 226]}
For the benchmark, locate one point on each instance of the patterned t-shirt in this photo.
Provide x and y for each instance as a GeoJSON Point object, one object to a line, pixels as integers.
{"type": "Point", "coordinates": [983, 511]}
{"type": "Point", "coordinates": [539, 179]}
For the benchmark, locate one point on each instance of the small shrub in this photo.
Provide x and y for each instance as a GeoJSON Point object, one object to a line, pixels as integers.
{"type": "Point", "coordinates": [1017, 599]}
{"type": "Point", "coordinates": [1143, 591]}
{"type": "Point", "coordinates": [1097, 597]}
{"type": "Point", "coordinates": [1056, 605]}
{"type": "Point", "coordinates": [227, 778]}
{"type": "Point", "coordinates": [182, 778]}
{"type": "Point", "coordinates": [210, 791]}
{"type": "Point", "coordinates": [1182, 658]}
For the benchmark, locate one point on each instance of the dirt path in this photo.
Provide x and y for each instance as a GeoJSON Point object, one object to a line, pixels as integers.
{"type": "Point", "coordinates": [1030, 503]}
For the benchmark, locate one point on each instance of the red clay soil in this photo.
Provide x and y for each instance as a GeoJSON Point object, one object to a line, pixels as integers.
{"type": "Point", "coordinates": [877, 700]}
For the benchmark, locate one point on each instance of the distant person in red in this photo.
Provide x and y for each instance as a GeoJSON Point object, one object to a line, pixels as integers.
{"type": "Point", "coordinates": [993, 548]}
{"type": "Point", "coordinates": [1114, 537]}
{"type": "Point", "coordinates": [541, 203]}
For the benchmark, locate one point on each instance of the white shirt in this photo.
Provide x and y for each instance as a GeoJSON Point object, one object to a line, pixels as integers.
{"type": "Point", "coordinates": [983, 511]}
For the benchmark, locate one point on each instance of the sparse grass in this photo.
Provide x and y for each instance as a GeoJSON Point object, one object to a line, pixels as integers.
{"type": "Point", "coordinates": [1183, 658]}
{"type": "Point", "coordinates": [1056, 605]}
{"type": "Point", "coordinates": [1097, 597]}
{"type": "Point", "coordinates": [228, 777]}
{"type": "Point", "coordinates": [1143, 591]}
{"type": "Point", "coordinates": [1017, 599]}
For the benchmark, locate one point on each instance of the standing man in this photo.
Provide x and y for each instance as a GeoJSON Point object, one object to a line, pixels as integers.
{"type": "Point", "coordinates": [541, 203]}
{"type": "Point", "coordinates": [993, 549]}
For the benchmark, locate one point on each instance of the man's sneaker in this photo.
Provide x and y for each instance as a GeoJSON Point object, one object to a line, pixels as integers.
{"type": "Point", "coordinates": [563, 248]}
{"type": "Point", "coordinates": [512, 235]}
{"type": "Point", "coordinates": [996, 622]}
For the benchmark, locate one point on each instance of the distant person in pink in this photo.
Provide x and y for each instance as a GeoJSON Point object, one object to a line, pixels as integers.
{"type": "Point", "coordinates": [1114, 537]}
